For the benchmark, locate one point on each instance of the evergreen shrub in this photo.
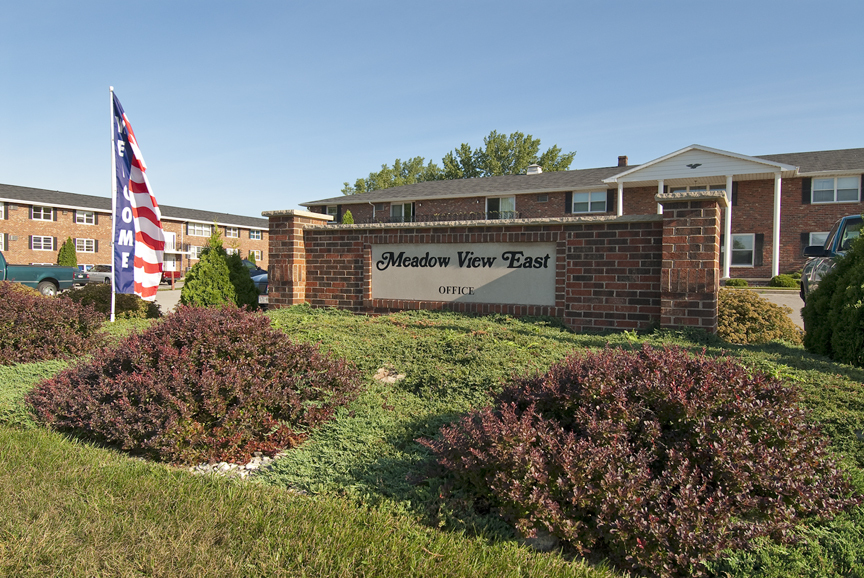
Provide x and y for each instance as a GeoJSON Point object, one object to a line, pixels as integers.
{"type": "Point", "coordinates": [784, 280]}
{"type": "Point", "coordinates": [745, 317]}
{"type": "Point", "coordinates": [208, 282]}
{"type": "Point", "coordinates": [348, 218]}
{"type": "Point", "coordinates": [204, 384]}
{"type": "Point", "coordinates": [246, 294]}
{"type": "Point", "coordinates": [35, 328]}
{"type": "Point", "coordinates": [652, 458]}
{"type": "Point", "coordinates": [834, 312]}
{"type": "Point", "coordinates": [737, 283]}
{"type": "Point", "coordinates": [126, 306]}
{"type": "Point", "coordinates": [67, 256]}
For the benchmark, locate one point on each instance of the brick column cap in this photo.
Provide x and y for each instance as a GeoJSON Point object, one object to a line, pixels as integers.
{"type": "Point", "coordinates": [297, 213]}
{"type": "Point", "coordinates": [719, 196]}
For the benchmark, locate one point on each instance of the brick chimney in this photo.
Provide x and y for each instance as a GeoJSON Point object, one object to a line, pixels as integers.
{"type": "Point", "coordinates": [622, 161]}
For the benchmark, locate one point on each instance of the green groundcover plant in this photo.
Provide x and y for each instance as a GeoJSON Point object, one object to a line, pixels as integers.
{"type": "Point", "coordinates": [204, 384]}
{"type": "Point", "coordinates": [655, 458]}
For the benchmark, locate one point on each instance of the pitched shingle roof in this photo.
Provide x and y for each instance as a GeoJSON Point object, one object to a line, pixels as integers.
{"type": "Point", "coordinates": [837, 160]}
{"type": "Point", "coordinates": [31, 196]}
{"type": "Point", "coordinates": [544, 182]}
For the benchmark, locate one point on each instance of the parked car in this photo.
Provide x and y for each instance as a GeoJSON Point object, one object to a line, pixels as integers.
{"type": "Point", "coordinates": [842, 234]}
{"type": "Point", "coordinates": [47, 279]}
{"type": "Point", "coordinates": [259, 277]}
{"type": "Point", "coordinates": [100, 274]}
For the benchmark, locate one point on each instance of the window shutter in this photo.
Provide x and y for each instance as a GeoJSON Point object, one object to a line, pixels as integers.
{"type": "Point", "coordinates": [54, 214]}
{"type": "Point", "coordinates": [568, 203]}
{"type": "Point", "coordinates": [95, 218]}
{"type": "Point", "coordinates": [722, 238]}
{"type": "Point", "coordinates": [665, 189]}
{"type": "Point", "coordinates": [611, 196]}
{"type": "Point", "coordinates": [338, 214]}
{"type": "Point", "coordinates": [30, 242]}
{"type": "Point", "coordinates": [805, 191]}
{"type": "Point", "coordinates": [805, 240]}
{"type": "Point", "coordinates": [53, 243]}
{"type": "Point", "coordinates": [757, 249]}
{"type": "Point", "coordinates": [734, 194]}
{"type": "Point", "coordinates": [96, 246]}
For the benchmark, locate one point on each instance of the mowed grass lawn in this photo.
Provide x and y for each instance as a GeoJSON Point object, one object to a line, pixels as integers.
{"type": "Point", "coordinates": [360, 498]}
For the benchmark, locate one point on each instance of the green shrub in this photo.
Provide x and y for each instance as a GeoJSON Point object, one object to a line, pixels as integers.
{"type": "Point", "coordinates": [834, 311]}
{"type": "Point", "coordinates": [218, 279]}
{"type": "Point", "coordinates": [737, 283]}
{"type": "Point", "coordinates": [67, 256]}
{"type": "Point", "coordinates": [35, 328]}
{"type": "Point", "coordinates": [653, 458]}
{"type": "Point", "coordinates": [784, 280]}
{"type": "Point", "coordinates": [203, 384]}
{"type": "Point", "coordinates": [126, 305]}
{"type": "Point", "coordinates": [246, 294]}
{"type": "Point", "coordinates": [208, 282]}
{"type": "Point", "coordinates": [348, 218]}
{"type": "Point", "coordinates": [745, 317]}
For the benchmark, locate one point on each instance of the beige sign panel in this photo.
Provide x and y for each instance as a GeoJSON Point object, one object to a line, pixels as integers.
{"type": "Point", "coordinates": [522, 273]}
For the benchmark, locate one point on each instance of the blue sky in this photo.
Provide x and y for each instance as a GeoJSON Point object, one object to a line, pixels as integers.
{"type": "Point", "coordinates": [243, 107]}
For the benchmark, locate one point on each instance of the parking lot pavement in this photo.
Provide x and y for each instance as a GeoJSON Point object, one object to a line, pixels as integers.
{"type": "Point", "coordinates": [167, 299]}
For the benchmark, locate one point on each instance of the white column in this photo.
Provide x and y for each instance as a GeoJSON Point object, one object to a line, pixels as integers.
{"type": "Point", "coordinates": [727, 230]}
{"type": "Point", "coordinates": [620, 206]}
{"type": "Point", "coordinates": [660, 192]}
{"type": "Point", "coordinates": [775, 257]}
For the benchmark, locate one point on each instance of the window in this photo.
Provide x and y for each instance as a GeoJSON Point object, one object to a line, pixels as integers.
{"type": "Point", "coordinates": [2, 242]}
{"type": "Point", "coordinates": [256, 255]}
{"type": "Point", "coordinates": [543, 198]}
{"type": "Point", "coordinates": [332, 210]}
{"type": "Point", "coordinates": [196, 252]}
{"type": "Point", "coordinates": [85, 218]}
{"type": "Point", "coordinates": [742, 250]}
{"type": "Point", "coordinates": [232, 232]}
{"type": "Point", "coordinates": [84, 268]}
{"type": "Point", "coordinates": [231, 251]}
{"type": "Point", "coordinates": [42, 243]}
{"type": "Point", "coordinates": [255, 235]}
{"type": "Point", "coordinates": [818, 239]}
{"type": "Point", "coordinates": [2, 211]}
{"type": "Point", "coordinates": [42, 213]}
{"type": "Point", "coordinates": [85, 245]}
{"type": "Point", "coordinates": [501, 208]}
{"type": "Point", "coordinates": [198, 230]}
{"type": "Point", "coordinates": [836, 190]}
{"type": "Point", "coordinates": [589, 202]}
{"type": "Point", "coordinates": [402, 212]}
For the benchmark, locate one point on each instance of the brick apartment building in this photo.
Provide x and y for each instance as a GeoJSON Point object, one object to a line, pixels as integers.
{"type": "Point", "coordinates": [778, 204]}
{"type": "Point", "coordinates": [35, 222]}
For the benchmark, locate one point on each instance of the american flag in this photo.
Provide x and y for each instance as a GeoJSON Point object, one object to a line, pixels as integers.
{"type": "Point", "coordinates": [138, 264]}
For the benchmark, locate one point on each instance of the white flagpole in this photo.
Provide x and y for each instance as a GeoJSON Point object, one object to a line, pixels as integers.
{"type": "Point", "coordinates": [113, 202]}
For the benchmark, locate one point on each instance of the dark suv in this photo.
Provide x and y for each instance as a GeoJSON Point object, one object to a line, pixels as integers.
{"type": "Point", "coordinates": [842, 234]}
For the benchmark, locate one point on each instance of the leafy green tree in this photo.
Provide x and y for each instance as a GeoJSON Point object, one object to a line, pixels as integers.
{"type": "Point", "coordinates": [401, 173]}
{"type": "Point", "coordinates": [67, 256]}
{"type": "Point", "coordinates": [348, 218]}
{"type": "Point", "coordinates": [500, 155]}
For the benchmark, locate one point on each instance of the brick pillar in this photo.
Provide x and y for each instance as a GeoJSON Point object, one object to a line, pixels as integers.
{"type": "Point", "coordinates": [690, 272]}
{"type": "Point", "coordinates": [286, 271]}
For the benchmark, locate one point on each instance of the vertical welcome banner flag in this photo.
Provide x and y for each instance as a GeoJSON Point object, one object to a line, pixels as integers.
{"type": "Point", "coordinates": [138, 239]}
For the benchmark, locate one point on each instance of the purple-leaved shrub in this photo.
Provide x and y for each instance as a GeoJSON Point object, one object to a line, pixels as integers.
{"type": "Point", "coordinates": [205, 384]}
{"type": "Point", "coordinates": [655, 459]}
{"type": "Point", "coordinates": [36, 327]}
